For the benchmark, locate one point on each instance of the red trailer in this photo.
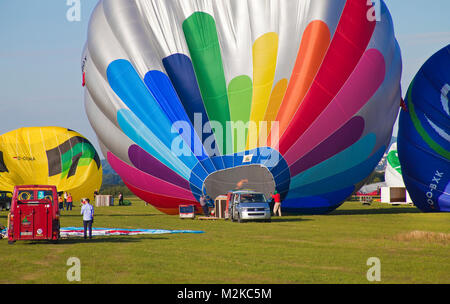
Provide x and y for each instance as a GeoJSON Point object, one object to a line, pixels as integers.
{"type": "Point", "coordinates": [34, 214]}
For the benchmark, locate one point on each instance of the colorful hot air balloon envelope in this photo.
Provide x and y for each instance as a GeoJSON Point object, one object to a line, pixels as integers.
{"type": "Point", "coordinates": [49, 156]}
{"type": "Point", "coordinates": [191, 97]}
{"type": "Point", "coordinates": [424, 135]}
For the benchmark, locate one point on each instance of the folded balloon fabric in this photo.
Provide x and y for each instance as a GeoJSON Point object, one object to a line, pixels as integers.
{"type": "Point", "coordinates": [77, 231]}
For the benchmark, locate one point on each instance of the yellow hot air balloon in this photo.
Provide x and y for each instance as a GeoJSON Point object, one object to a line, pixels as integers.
{"type": "Point", "coordinates": [50, 156]}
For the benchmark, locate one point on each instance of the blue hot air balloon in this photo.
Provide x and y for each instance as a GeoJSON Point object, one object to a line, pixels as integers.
{"type": "Point", "coordinates": [424, 135]}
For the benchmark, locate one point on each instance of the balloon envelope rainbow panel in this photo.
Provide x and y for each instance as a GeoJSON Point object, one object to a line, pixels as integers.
{"type": "Point", "coordinates": [50, 156]}
{"type": "Point", "coordinates": [424, 135]}
{"type": "Point", "coordinates": [201, 96]}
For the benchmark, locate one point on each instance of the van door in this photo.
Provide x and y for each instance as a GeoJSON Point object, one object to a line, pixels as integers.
{"type": "Point", "coordinates": [26, 217]}
{"type": "Point", "coordinates": [236, 199]}
{"type": "Point", "coordinates": [42, 215]}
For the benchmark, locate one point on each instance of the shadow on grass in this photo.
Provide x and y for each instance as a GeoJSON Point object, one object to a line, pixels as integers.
{"type": "Point", "coordinates": [290, 218]}
{"type": "Point", "coordinates": [96, 239]}
{"type": "Point", "coordinates": [109, 239]}
{"type": "Point", "coordinates": [393, 210]}
{"type": "Point", "coordinates": [111, 215]}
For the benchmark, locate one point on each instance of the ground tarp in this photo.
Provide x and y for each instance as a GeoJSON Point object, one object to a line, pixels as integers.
{"type": "Point", "coordinates": [77, 231]}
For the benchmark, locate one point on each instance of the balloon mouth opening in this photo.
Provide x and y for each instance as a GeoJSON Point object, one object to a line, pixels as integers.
{"type": "Point", "coordinates": [251, 177]}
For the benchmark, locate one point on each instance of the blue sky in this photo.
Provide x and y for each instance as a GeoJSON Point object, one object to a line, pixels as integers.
{"type": "Point", "coordinates": [40, 53]}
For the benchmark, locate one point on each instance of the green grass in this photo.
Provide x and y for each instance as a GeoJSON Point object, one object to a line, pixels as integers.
{"type": "Point", "coordinates": [330, 248]}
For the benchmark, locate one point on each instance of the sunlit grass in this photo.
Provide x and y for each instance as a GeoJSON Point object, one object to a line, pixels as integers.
{"type": "Point", "coordinates": [412, 247]}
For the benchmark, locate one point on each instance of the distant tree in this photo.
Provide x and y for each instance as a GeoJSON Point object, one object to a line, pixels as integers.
{"type": "Point", "coordinates": [115, 189]}
{"type": "Point", "coordinates": [375, 177]}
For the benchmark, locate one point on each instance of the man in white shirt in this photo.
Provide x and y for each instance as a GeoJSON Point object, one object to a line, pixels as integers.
{"type": "Point", "coordinates": [87, 210]}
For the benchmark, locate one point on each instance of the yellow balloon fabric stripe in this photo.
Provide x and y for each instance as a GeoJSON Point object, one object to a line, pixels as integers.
{"type": "Point", "coordinates": [265, 51]}
{"type": "Point", "coordinates": [274, 105]}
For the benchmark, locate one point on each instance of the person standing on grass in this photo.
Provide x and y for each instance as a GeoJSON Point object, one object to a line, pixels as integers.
{"type": "Point", "coordinates": [120, 199]}
{"type": "Point", "coordinates": [87, 210]}
{"type": "Point", "coordinates": [61, 202]}
{"type": "Point", "coordinates": [203, 204]}
{"type": "Point", "coordinates": [65, 200]}
{"type": "Point", "coordinates": [69, 202]}
{"type": "Point", "coordinates": [277, 200]}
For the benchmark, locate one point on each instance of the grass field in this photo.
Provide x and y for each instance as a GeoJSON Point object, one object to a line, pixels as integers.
{"type": "Point", "coordinates": [413, 247]}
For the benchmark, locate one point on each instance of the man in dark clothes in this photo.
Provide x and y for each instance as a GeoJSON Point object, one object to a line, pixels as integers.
{"type": "Point", "coordinates": [204, 205]}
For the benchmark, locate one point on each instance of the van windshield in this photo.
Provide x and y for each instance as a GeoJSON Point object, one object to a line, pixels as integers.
{"type": "Point", "coordinates": [253, 198]}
